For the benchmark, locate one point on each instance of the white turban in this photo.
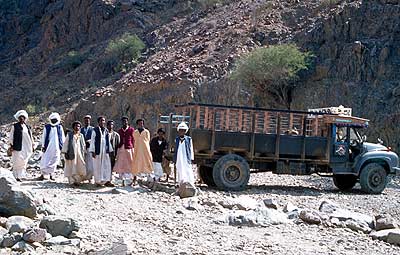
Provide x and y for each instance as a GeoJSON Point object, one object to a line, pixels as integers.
{"type": "Point", "coordinates": [21, 113]}
{"type": "Point", "coordinates": [56, 116]}
{"type": "Point", "coordinates": [183, 126]}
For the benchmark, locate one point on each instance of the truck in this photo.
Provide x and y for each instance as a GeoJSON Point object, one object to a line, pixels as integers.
{"type": "Point", "coordinates": [230, 142]}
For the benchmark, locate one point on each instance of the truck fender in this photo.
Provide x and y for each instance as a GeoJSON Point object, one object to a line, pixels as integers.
{"type": "Point", "coordinates": [368, 158]}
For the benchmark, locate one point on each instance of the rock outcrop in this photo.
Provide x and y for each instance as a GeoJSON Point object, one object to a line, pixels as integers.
{"type": "Point", "coordinates": [15, 200]}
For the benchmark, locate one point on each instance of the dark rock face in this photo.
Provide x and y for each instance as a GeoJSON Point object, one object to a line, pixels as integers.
{"type": "Point", "coordinates": [357, 65]}
{"type": "Point", "coordinates": [37, 36]}
{"type": "Point", "coordinates": [13, 199]}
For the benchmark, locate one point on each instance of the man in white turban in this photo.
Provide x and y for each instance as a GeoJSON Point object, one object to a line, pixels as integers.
{"type": "Point", "coordinates": [184, 155]}
{"type": "Point", "coordinates": [52, 142]}
{"type": "Point", "coordinates": [21, 144]}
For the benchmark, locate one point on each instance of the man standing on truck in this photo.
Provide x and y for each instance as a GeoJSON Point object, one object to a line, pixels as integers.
{"type": "Point", "coordinates": [184, 155]}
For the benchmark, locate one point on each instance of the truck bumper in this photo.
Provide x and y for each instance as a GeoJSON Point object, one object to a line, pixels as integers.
{"type": "Point", "coordinates": [396, 171]}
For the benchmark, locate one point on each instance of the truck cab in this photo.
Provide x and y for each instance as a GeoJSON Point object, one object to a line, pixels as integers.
{"type": "Point", "coordinates": [353, 160]}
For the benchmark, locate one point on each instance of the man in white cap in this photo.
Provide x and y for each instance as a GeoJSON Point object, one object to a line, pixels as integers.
{"type": "Point", "coordinates": [184, 155]}
{"type": "Point", "coordinates": [52, 142]}
{"type": "Point", "coordinates": [21, 144]}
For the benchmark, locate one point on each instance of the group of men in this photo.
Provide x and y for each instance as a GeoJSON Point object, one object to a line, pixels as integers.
{"type": "Point", "coordinates": [95, 152]}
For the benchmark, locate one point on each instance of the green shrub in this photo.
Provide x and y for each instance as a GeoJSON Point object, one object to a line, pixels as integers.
{"type": "Point", "coordinates": [123, 51]}
{"type": "Point", "coordinates": [272, 71]}
{"type": "Point", "coordinates": [31, 109]}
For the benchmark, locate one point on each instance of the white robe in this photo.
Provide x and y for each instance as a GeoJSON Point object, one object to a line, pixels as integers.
{"type": "Point", "coordinates": [183, 167]}
{"type": "Point", "coordinates": [20, 158]}
{"type": "Point", "coordinates": [89, 165]}
{"type": "Point", "coordinates": [75, 169]}
{"type": "Point", "coordinates": [102, 162]}
{"type": "Point", "coordinates": [51, 157]}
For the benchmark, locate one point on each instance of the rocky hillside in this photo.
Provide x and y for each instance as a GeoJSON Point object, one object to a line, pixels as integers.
{"type": "Point", "coordinates": [191, 46]}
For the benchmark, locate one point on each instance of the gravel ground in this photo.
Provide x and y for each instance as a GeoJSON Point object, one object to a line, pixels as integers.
{"type": "Point", "coordinates": [156, 222]}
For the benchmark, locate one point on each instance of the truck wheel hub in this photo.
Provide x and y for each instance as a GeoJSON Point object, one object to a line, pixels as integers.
{"type": "Point", "coordinates": [376, 179]}
{"type": "Point", "coordinates": [232, 173]}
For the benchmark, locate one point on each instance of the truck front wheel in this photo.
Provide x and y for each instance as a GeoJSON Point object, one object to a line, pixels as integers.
{"type": "Point", "coordinates": [373, 178]}
{"type": "Point", "coordinates": [206, 174]}
{"type": "Point", "coordinates": [231, 172]}
{"type": "Point", "coordinates": [344, 182]}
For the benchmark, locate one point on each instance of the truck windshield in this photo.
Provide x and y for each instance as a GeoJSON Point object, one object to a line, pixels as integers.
{"type": "Point", "coordinates": [355, 135]}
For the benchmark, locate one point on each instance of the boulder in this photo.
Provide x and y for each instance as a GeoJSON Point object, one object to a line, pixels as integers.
{"type": "Point", "coordinates": [192, 204]}
{"type": "Point", "coordinates": [270, 203]}
{"type": "Point", "coordinates": [186, 189]}
{"type": "Point", "coordinates": [10, 239]}
{"type": "Point", "coordinates": [383, 235]}
{"type": "Point", "coordinates": [334, 211]}
{"type": "Point", "coordinates": [46, 209]}
{"type": "Point", "coordinates": [19, 224]}
{"type": "Point", "coordinates": [384, 222]}
{"type": "Point", "coordinates": [35, 235]}
{"type": "Point", "coordinates": [394, 237]}
{"type": "Point", "coordinates": [310, 216]}
{"type": "Point", "coordinates": [3, 231]}
{"type": "Point", "coordinates": [241, 203]}
{"type": "Point", "coordinates": [15, 200]}
{"type": "Point", "coordinates": [61, 240]}
{"type": "Point", "coordinates": [258, 217]}
{"type": "Point", "coordinates": [21, 246]}
{"type": "Point", "coordinates": [3, 222]}
{"type": "Point", "coordinates": [357, 226]}
{"type": "Point", "coordinates": [58, 225]}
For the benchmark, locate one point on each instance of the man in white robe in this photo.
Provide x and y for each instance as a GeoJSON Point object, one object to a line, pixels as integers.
{"type": "Point", "coordinates": [52, 142]}
{"type": "Point", "coordinates": [184, 155]}
{"type": "Point", "coordinates": [21, 145]}
{"type": "Point", "coordinates": [87, 130]}
{"type": "Point", "coordinates": [100, 148]}
{"type": "Point", "coordinates": [74, 150]}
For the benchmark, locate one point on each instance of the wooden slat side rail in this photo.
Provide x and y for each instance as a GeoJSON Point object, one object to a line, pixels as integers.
{"type": "Point", "coordinates": [240, 120]}
{"type": "Point", "coordinates": [266, 122]}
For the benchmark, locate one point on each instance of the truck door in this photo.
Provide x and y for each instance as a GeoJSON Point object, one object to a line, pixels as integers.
{"type": "Point", "coordinates": [339, 155]}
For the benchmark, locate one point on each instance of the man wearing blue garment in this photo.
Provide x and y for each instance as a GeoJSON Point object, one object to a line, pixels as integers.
{"type": "Point", "coordinates": [87, 130]}
{"type": "Point", "coordinates": [184, 155]}
{"type": "Point", "coordinates": [52, 143]}
{"type": "Point", "coordinates": [100, 148]}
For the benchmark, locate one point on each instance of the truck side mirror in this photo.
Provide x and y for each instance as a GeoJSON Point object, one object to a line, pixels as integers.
{"type": "Point", "coordinates": [364, 138]}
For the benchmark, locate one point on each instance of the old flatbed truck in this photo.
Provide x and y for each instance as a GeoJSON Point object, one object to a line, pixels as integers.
{"type": "Point", "coordinates": [231, 142]}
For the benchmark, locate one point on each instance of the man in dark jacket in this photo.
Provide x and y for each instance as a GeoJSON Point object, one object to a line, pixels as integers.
{"type": "Point", "coordinates": [158, 146]}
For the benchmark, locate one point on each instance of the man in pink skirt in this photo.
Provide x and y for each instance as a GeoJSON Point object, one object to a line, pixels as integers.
{"type": "Point", "coordinates": [124, 160]}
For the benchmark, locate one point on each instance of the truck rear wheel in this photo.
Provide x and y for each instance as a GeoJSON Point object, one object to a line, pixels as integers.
{"type": "Point", "coordinates": [373, 178]}
{"type": "Point", "coordinates": [231, 172]}
{"type": "Point", "coordinates": [344, 182]}
{"type": "Point", "coordinates": [206, 174]}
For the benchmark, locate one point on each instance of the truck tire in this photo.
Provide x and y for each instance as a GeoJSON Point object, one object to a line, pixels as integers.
{"type": "Point", "coordinates": [231, 172]}
{"type": "Point", "coordinates": [206, 174]}
{"type": "Point", "coordinates": [344, 182]}
{"type": "Point", "coordinates": [373, 178]}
